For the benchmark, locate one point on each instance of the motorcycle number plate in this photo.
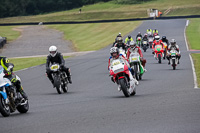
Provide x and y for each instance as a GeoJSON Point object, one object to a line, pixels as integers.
{"type": "Point", "coordinates": [134, 58]}
{"type": "Point", "coordinates": [54, 67]}
{"type": "Point", "coordinates": [116, 63]}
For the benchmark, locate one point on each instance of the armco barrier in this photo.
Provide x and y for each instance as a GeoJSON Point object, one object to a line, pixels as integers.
{"type": "Point", "coordinates": [101, 21]}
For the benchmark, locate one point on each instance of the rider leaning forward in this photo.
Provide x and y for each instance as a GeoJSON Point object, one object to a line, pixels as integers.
{"type": "Point", "coordinates": [136, 49]}
{"type": "Point", "coordinates": [8, 70]}
{"type": "Point", "coordinates": [56, 57]}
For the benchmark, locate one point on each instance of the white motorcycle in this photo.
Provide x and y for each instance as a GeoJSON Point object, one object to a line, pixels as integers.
{"type": "Point", "coordinates": [136, 65]}
{"type": "Point", "coordinates": [173, 60]}
{"type": "Point", "coordinates": [123, 77]}
{"type": "Point", "coordinates": [150, 40]}
{"type": "Point", "coordinates": [10, 99]}
{"type": "Point", "coordinates": [122, 51]}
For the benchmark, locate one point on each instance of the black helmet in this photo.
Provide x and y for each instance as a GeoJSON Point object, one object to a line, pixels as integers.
{"type": "Point", "coordinates": [129, 37]}
{"type": "Point", "coordinates": [164, 38]}
{"type": "Point", "coordinates": [119, 39]}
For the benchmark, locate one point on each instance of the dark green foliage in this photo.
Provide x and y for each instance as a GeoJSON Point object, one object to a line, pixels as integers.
{"type": "Point", "coordinates": [9, 8]}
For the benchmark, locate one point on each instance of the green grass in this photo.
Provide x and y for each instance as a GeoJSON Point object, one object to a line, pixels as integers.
{"type": "Point", "coordinates": [88, 37]}
{"type": "Point", "coordinates": [193, 33]}
{"type": "Point", "coordinates": [9, 32]}
{"type": "Point", "coordinates": [22, 63]}
{"type": "Point", "coordinates": [111, 10]}
{"type": "Point", "coordinates": [196, 58]}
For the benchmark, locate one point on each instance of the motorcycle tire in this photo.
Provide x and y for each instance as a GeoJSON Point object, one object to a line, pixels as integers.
{"type": "Point", "coordinates": [140, 77]}
{"type": "Point", "coordinates": [124, 87]}
{"type": "Point", "coordinates": [57, 85]}
{"type": "Point", "coordinates": [23, 108]}
{"type": "Point", "coordinates": [159, 58]}
{"type": "Point", "coordinates": [145, 49]}
{"type": "Point", "coordinates": [136, 72]}
{"type": "Point", "coordinates": [4, 109]}
{"type": "Point", "coordinates": [174, 64]}
{"type": "Point", "coordinates": [65, 88]}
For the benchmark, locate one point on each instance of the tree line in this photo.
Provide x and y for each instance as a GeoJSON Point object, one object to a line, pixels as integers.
{"type": "Point", "coordinates": [10, 8]}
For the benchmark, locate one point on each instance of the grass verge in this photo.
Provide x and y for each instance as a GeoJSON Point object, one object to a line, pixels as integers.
{"type": "Point", "coordinates": [22, 63]}
{"type": "Point", "coordinates": [111, 10]}
{"type": "Point", "coordinates": [196, 59]}
{"type": "Point", "coordinates": [89, 37]}
{"type": "Point", "coordinates": [193, 33]}
{"type": "Point", "coordinates": [9, 32]}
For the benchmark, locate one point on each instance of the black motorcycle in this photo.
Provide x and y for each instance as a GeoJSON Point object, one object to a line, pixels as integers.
{"type": "Point", "coordinates": [60, 78]}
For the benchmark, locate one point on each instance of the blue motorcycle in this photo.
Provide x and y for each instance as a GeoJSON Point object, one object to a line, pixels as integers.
{"type": "Point", "coordinates": [10, 99]}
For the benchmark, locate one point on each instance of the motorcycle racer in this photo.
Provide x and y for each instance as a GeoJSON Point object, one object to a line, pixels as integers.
{"type": "Point", "coordinates": [56, 57]}
{"type": "Point", "coordinates": [128, 40]}
{"type": "Point", "coordinates": [120, 43]}
{"type": "Point", "coordinates": [114, 51]}
{"type": "Point", "coordinates": [173, 45]}
{"type": "Point", "coordinates": [133, 49]}
{"type": "Point", "coordinates": [8, 70]}
{"type": "Point", "coordinates": [157, 41]}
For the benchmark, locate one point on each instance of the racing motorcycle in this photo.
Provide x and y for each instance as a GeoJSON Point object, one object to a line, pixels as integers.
{"type": "Point", "coordinates": [150, 40]}
{"type": "Point", "coordinates": [10, 99]}
{"type": "Point", "coordinates": [123, 77]}
{"type": "Point", "coordinates": [144, 45]}
{"type": "Point", "coordinates": [173, 58]}
{"type": "Point", "coordinates": [122, 51]}
{"type": "Point", "coordinates": [136, 65]}
{"type": "Point", "coordinates": [139, 41]}
{"type": "Point", "coordinates": [59, 78]}
{"type": "Point", "coordinates": [158, 53]}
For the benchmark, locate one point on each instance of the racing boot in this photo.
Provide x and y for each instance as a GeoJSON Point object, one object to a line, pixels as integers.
{"type": "Point", "coordinates": [23, 93]}
{"type": "Point", "coordinates": [69, 79]}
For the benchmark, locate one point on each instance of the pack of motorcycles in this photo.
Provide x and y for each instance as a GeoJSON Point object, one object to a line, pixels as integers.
{"type": "Point", "coordinates": [120, 73]}
{"type": "Point", "coordinates": [11, 100]}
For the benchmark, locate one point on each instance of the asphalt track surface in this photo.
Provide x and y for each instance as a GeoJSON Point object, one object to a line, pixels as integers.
{"type": "Point", "coordinates": [166, 101]}
{"type": "Point", "coordinates": [36, 40]}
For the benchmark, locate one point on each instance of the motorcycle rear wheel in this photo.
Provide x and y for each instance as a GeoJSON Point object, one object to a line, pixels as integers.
{"type": "Point", "coordinates": [4, 109]}
{"type": "Point", "coordinates": [124, 87]}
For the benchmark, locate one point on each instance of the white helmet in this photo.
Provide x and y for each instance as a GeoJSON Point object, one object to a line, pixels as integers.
{"type": "Point", "coordinates": [157, 38]}
{"type": "Point", "coordinates": [114, 50]}
{"type": "Point", "coordinates": [53, 51]}
{"type": "Point", "coordinates": [132, 43]}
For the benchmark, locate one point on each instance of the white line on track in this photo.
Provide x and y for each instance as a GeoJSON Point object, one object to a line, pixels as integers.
{"type": "Point", "coordinates": [191, 60]}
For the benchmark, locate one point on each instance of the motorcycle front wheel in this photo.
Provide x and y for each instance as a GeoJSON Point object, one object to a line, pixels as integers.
{"type": "Point", "coordinates": [4, 109]}
{"type": "Point", "coordinates": [136, 71]}
{"type": "Point", "coordinates": [57, 84]}
{"type": "Point", "coordinates": [65, 88]}
{"type": "Point", "coordinates": [159, 58]}
{"type": "Point", "coordinates": [174, 64]}
{"type": "Point", "coordinates": [124, 87]}
{"type": "Point", "coordinates": [23, 108]}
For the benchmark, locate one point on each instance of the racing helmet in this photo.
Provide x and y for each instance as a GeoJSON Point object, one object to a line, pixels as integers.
{"type": "Point", "coordinates": [173, 42]}
{"type": "Point", "coordinates": [114, 50]}
{"type": "Point", "coordinates": [157, 38]}
{"type": "Point", "coordinates": [53, 51]}
{"type": "Point", "coordinates": [129, 37]}
{"type": "Point", "coordinates": [132, 44]}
